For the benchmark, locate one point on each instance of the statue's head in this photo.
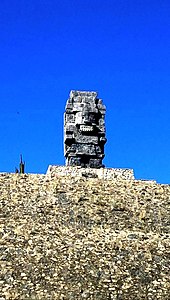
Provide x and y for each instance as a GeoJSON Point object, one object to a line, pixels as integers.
{"type": "Point", "coordinates": [87, 110]}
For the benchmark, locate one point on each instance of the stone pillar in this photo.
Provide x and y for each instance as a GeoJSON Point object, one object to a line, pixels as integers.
{"type": "Point", "coordinates": [84, 130]}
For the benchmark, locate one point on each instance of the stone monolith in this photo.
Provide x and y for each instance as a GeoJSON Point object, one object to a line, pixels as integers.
{"type": "Point", "coordinates": [84, 130]}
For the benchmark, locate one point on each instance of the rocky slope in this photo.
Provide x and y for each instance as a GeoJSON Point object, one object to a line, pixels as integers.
{"type": "Point", "coordinates": [77, 237]}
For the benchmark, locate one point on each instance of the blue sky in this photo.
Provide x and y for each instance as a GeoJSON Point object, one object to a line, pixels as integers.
{"type": "Point", "coordinates": [119, 48]}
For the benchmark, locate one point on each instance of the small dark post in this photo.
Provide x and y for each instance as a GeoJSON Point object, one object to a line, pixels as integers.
{"type": "Point", "coordinates": [22, 166]}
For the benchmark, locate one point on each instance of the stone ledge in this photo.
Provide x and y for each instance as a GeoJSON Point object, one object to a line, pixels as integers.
{"type": "Point", "coordinates": [102, 173]}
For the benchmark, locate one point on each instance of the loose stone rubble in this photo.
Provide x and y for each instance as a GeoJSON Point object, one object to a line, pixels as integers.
{"type": "Point", "coordinates": [84, 130]}
{"type": "Point", "coordinates": [82, 237]}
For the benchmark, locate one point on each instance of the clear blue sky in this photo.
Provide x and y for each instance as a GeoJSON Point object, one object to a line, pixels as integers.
{"type": "Point", "coordinates": [119, 48]}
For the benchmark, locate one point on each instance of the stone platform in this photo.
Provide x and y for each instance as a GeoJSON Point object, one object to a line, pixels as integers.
{"type": "Point", "coordinates": [102, 173]}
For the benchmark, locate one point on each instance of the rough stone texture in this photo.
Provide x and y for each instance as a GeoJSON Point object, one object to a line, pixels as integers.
{"type": "Point", "coordinates": [102, 173]}
{"type": "Point", "coordinates": [84, 130]}
{"type": "Point", "coordinates": [76, 237]}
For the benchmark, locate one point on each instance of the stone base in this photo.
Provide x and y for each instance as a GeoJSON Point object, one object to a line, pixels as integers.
{"type": "Point", "coordinates": [102, 173]}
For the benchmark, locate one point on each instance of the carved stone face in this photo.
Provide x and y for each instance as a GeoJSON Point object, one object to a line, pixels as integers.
{"type": "Point", "coordinates": [85, 121]}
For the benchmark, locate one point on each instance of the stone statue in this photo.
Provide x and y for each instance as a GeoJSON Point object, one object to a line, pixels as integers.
{"type": "Point", "coordinates": [84, 130]}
